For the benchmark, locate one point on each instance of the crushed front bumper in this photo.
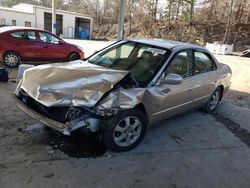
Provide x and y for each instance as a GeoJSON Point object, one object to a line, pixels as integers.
{"type": "Point", "coordinates": [65, 129]}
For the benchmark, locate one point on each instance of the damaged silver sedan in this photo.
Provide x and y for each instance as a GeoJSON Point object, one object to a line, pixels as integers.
{"type": "Point", "coordinates": [121, 89]}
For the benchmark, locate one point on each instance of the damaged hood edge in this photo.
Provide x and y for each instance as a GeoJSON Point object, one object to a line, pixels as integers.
{"type": "Point", "coordinates": [77, 83]}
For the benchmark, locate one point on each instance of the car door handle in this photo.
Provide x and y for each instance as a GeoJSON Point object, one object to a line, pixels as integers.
{"type": "Point", "coordinates": [45, 46]}
{"type": "Point", "coordinates": [165, 90]}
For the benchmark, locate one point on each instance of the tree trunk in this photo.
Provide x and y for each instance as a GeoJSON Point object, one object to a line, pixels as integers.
{"type": "Point", "coordinates": [191, 11]}
{"type": "Point", "coordinates": [248, 17]}
{"type": "Point", "coordinates": [210, 14]}
{"type": "Point", "coordinates": [130, 21]}
{"type": "Point", "coordinates": [178, 9]}
{"type": "Point", "coordinates": [169, 10]}
{"type": "Point", "coordinates": [228, 22]}
{"type": "Point", "coordinates": [156, 8]}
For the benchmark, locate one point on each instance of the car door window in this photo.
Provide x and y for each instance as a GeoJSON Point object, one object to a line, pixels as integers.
{"type": "Point", "coordinates": [47, 38]}
{"type": "Point", "coordinates": [181, 64]}
{"type": "Point", "coordinates": [26, 35]}
{"type": "Point", "coordinates": [203, 63]}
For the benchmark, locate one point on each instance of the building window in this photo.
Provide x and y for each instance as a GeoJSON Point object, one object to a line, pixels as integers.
{"type": "Point", "coordinates": [2, 21]}
{"type": "Point", "coordinates": [13, 22]}
{"type": "Point", "coordinates": [27, 24]}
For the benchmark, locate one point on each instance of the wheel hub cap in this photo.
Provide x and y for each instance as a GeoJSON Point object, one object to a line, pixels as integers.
{"type": "Point", "coordinates": [214, 100]}
{"type": "Point", "coordinates": [127, 131]}
{"type": "Point", "coordinates": [11, 60]}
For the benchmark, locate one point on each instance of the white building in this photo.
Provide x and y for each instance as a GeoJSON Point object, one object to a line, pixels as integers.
{"type": "Point", "coordinates": [68, 24]}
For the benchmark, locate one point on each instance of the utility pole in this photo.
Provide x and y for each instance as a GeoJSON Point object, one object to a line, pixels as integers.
{"type": "Point", "coordinates": [53, 17]}
{"type": "Point", "coordinates": [123, 4]}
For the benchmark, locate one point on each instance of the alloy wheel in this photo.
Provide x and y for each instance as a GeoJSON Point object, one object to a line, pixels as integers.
{"type": "Point", "coordinates": [215, 98]}
{"type": "Point", "coordinates": [127, 131]}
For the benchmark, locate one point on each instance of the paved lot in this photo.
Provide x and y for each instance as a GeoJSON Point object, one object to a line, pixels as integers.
{"type": "Point", "coordinates": [191, 150]}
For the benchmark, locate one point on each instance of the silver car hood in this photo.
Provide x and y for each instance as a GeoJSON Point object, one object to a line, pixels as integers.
{"type": "Point", "coordinates": [77, 83]}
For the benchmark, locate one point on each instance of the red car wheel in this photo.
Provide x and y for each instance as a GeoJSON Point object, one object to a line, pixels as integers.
{"type": "Point", "coordinates": [11, 59]}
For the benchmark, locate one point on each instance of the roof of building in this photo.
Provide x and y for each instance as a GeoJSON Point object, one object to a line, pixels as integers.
{"type": "Point", "coordinates": [16, 10]}
{"type": "Point", "coordinates": [29, 8]}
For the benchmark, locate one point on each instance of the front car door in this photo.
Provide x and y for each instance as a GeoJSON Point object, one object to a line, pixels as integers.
{"type": "Point", "coordinates": [174, 98]}
{"type": "Point", "coordinates": [51, 47]}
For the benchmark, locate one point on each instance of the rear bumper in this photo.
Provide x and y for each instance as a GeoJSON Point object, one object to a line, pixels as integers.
{"type": "Point", "coordinates": [1, 55]}
{"type": "Point", "coordinates": [65, 129]}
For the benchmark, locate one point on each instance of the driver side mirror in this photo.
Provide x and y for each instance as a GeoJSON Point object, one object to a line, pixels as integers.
{"type": "Point", "coordinates": [172, 79]}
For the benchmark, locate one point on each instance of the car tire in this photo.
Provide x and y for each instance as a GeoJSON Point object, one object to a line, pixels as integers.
{"type": "Point", "coordinates": [11, 59]}
{"type": "Point", "coordinates": [73, 56]}
{"type": "Point", "coordinates": [125, 130]}
{"type": "Point", "coordinates": [213, 101]}
{"type": "Point", "coordinates": [245, 53]}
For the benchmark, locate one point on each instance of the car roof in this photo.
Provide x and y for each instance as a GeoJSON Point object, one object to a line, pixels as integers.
{"type": "Point", "coordinates": [169, 44]}
{"type": "Point", "coordinates": [14, 28]}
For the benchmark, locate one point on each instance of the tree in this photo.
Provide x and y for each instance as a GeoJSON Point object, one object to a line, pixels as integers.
{"type": "Point", "coordinates": [228, 22]}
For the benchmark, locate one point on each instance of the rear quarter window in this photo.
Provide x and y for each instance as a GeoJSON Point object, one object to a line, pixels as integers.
{"type": "Point", "coordinates": [203, 63]}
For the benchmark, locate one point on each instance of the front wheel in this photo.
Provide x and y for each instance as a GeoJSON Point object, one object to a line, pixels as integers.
{"type": "Point", "coordinates": [214, 100]}
{"type": "Point", "coordinates": [125, 130]}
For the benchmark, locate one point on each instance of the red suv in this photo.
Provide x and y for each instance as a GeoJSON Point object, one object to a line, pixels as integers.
{"type": "Point", "coordinates": [29, 44]}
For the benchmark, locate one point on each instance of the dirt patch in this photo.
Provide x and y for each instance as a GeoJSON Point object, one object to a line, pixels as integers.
{"type": "Point", "coordinates": [235, 128]}
{"type": "Point", "coordinates": [79, 145]}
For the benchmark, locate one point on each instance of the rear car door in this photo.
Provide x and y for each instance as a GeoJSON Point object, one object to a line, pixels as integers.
{"type": "Point", "coordinates": [26, 44]}
{"type": "Point", "coordinates": [204, 79]}
{"type": "Point", "coordinates": [51, 47]}
{"type": "Point", "coordinates": [175, 98]}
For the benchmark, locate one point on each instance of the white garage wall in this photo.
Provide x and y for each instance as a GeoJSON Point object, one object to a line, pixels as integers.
{"type": "Point", "coordinates": [68, 21]}
{"type": "Point", "coordinates": [39, 17]}
{"type": "Point", "coordinates": [35, 15]}
{"type": "Point", "coordinates": [20, 17]}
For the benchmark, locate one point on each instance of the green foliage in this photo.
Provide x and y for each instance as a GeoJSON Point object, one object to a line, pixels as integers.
{"type": "Point", "coordinates": [9, 3]}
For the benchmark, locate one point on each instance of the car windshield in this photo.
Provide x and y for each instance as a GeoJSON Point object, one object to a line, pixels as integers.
{"type": "Point", "coordinates": [141, 60]}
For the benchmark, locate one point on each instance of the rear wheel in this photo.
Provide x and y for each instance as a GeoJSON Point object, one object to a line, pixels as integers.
{"type": "Point", "coordinates": [125, 130]}
{"type": "Point", "coordinates": [214, 100]}
{"type": "Point", "coordinates": [11, 59]}
{"type": "Point", "coordinates": [73, 56]}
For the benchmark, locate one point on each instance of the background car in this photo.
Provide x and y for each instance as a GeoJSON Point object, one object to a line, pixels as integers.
{"type": "Point", "coordinates": [19, 44]}
{"type": "Point", "coordinates": [245, 53]}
